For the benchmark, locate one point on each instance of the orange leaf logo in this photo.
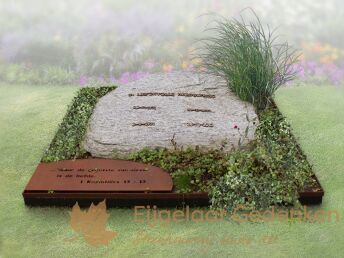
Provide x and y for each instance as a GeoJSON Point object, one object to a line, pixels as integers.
{"type": "Point", "coordinates": [91, 224]}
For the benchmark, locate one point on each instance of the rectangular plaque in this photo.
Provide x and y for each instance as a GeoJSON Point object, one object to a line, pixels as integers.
{"type": "Point", "coordinates": [120, 182]}
{"type": "Point", "coordinates": [93, 175]}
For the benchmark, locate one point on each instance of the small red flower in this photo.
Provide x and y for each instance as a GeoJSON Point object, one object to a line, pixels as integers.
{"type": "Point", "coordinates": [235, 127]}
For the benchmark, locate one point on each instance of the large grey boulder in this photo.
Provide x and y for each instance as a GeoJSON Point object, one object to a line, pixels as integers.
{"type": "Point", "coordinates": [169, 110]}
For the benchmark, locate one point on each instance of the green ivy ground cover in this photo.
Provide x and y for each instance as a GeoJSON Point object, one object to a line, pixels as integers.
{"type": "Point", "coordinates": [270, 171]}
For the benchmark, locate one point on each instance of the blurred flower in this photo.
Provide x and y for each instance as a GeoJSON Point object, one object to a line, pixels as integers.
{"type": "Point", "coordinates": [138, 75]}
{"type": "Point", "coordinates": [298, 69]}
{"type": "Point", "coordinates": [301, 57]}
{"type": "Point", "coordinates": [197, 61]}
{"type": "Point", "coordinates": [112, 79]}
{"type": "Point", "coordinates": [149, 65]}
{"type": "Point", "coordinates": [317, 47]}
{"type": "Point", "coordinates": [190, 67]}
{"type": "Point", "coordinates": [101, 80]}
{"type": "Point", "coordinates": [326, 59]}
{"type": "Point", "coordinates": [320, 70]}
{"type": "Point", "coordinates": [167, 68]}
{"type": "Point", "coordinates": [334, 56]}
{"type": "Point", "coordinates": [125, 78]}
{"type": "Point", "coordinates": [191, 50]}
{"type": "Point", "coordinates": [83, 80]}
{"type": "Point", "coordinates": [337, 76]}
{"type": "Point", "coordinates": [184, 65]}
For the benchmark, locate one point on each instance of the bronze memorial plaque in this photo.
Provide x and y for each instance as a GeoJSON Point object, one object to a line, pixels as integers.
{"type": "Point", "coordinates": [98, 175]}
{"type": "Point", "coordinates": [120, 182]}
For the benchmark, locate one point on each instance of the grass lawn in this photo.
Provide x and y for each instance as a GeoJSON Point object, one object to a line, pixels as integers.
{"type": "Point", "coordinates": [29, 117]}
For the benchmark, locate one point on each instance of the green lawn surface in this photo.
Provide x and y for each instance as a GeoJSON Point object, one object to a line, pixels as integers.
{"type": "Point", "coordinates": [29, 117]}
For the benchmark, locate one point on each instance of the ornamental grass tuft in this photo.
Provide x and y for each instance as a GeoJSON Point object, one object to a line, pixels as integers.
{"type": "Point", "coordinates": [248, 57]}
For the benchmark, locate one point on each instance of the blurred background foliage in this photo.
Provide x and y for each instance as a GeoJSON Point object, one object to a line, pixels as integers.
{"type": "Point", "coordinates": [101, 42]}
